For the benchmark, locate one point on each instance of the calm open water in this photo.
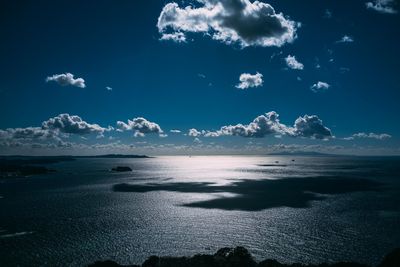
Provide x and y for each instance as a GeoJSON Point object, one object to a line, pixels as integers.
{"type": "Point", "coordinates": [310, 210]}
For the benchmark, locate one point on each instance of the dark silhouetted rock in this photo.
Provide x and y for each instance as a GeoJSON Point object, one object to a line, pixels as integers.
{"type": "Point", "coordinates": [238, 257]}
{"type": "Point", "coordinates": [121, 169]}
{"type": "Point", "coordinates": [392, 259]}
{"type": "Point", "coordinates": [270, 263]}
{"type": "Point", "coordinates": [105, 264]}
{"type": "Point", "coordinates": [345, 264]}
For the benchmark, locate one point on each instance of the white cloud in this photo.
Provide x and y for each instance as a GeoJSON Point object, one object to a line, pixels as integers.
{"type": "Point", "coordinates": [197, 140]}
{"type": "Point", "coordinates": [109, 88]}
{"type": "Point", "coordinates": [344, 69]}
{"type": "Point", "coordinates": [229, 21]}
{"type": "Point", "coordinates": [261, 126]}
{"type": "Point", "coordinates": [311, 126]}
{"type": "Point", "coordinates": [369, 135]}
{"type": "Point", "coordinates": [292, 63]}
{"type": "Point", "coordinates": [248, 80]}
{"type": "Point", "coordinates": [382, 6]}
{"type": "Point", "coordinates": [193, 132]}
{"type": "Point", "coordinates": [346, 39]}
{"type": "Point", "coordinates": [269, 124]}
{"type": "Point", "coordinates": [320, 86]}
{"type": "Point", "coordinates": [175, 131]}
{"type": "Point", "coordinates": [140, 126]}
{"type": "Point", "coordinates": [28, 133]}
{"type": "Point", "coordinates": [50, 133]}
{"type": "Point", "coordinates": [66, 79]}
{"type": "Point", "coordinates": [275, 54]}
{"type": "Point", "coordinates": [72, 124]}
{"type": "Point", "coordinates": [178, 37]}
{"type": "Point", "coordinates": [328, 14]}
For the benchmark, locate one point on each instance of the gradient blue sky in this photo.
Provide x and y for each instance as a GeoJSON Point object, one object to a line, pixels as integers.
{"type": "Point", "coordinates": [192, 84]}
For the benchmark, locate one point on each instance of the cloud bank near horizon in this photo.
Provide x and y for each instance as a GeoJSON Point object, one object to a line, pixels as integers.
{"type": "Point", "coordinates": [308, 126]}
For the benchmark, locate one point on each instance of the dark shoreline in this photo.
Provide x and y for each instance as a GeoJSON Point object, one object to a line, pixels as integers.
{"type": "Point", "coordinates": [22, 166]}
{"type": "Point", "coordinates": [69, 157]}
{"type": "Point", "coordinates": [239, 257]}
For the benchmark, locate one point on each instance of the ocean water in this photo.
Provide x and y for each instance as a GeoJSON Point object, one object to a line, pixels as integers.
{"type": "Point", "coordinates": [293, 209]}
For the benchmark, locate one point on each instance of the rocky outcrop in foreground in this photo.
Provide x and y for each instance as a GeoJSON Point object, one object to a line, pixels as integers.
{"type": "Point", "coordinates": [238, 257]}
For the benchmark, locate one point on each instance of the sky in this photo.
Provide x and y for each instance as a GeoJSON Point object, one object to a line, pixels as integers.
{"type": "Point", "coordinates": [199, 77]}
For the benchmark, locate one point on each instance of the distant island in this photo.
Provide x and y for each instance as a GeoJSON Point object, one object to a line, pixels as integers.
{"type": "Point", "coordinates": [121, 169]}
{"type": "Point", "coordinates": [21, 166]}
{"type": "Point", "coordinates": [55, 159]}
{"type": "Point", "coordinates": [303, 153]}
{"type": "Point", "coordinates": [239, 257]}
{"type": "Point", "coordinates": [115, 156]}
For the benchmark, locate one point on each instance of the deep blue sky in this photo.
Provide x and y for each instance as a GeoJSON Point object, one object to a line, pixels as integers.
{"type": "Point", "coordinates": [116, 44]}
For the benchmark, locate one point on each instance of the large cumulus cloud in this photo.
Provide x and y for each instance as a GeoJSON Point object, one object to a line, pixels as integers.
{"type": "Point", "coordinates": [51, 130]}
{"type": "Point", "coordinates": [311, 126]}
{"type": "Point", "coordinates": [140, 126]}
{"type": "Point", "coordinates": [229, 21]}
{"type": "Point", "coordinates": [269, 123]}
{"type": "Point", "coordinates": [50, 133]}
{"type": "Point", "coordinates": [72, 124]}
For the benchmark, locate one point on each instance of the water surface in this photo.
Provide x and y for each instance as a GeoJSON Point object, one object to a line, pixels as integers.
{"type": "Point", "coordinates": [293, 209]}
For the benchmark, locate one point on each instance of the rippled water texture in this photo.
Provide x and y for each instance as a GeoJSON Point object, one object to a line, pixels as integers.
{"type": "Point", "coordinates": [293, 209]}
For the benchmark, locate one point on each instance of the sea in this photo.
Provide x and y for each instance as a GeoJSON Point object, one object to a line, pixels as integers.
{"type": "Point", "coordinates": [290, 208]}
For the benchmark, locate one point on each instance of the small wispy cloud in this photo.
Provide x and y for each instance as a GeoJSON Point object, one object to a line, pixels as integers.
{"type": "Point", "coordinates": [248, 80]}
{"type": "Point", "coordinates": [327, 14]}
{"type": "Point", "coordinates": [376, 136]}
{"type": "Point", "coordinates": [293, 63]}
{"type": "Point", "coordinates": [344, 70]}
{"type": "Point", "coordinates": [320, 86]}
{"type": "Point", "coordinates": [275, 54]}
{"type": "Point", "coordinates": [177, 37]}
{"type": "Point", "coordinates": [346, 39]}
{"type": "Point", "coordinates": [382, 6]}
{"type": "Point", "coordinates": [197, 140]}
{"type": "Point", "coordinates": [109, 88]}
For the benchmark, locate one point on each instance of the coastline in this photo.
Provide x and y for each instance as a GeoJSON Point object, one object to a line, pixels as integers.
{"type": "Point", "coordinates": [240, 257]}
